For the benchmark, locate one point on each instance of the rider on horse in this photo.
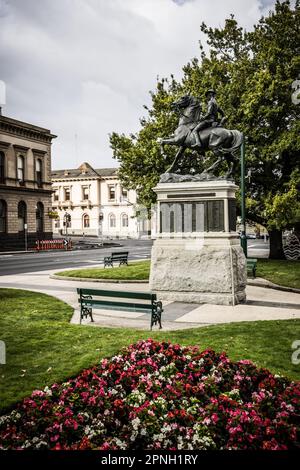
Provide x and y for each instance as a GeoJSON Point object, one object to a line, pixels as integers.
{"type": "Point", "coordinates": [210, 117]}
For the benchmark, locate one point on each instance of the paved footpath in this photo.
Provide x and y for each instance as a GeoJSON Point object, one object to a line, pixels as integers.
{"type": "Point", "coordinates": [262, 304]}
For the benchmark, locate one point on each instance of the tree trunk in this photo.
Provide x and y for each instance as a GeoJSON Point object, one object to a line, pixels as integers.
{"type": "Point", "coordinates": [276, 248]}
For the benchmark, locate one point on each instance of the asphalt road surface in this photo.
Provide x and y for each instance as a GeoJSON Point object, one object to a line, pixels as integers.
{"type": "Point", "coordinates": [138, 249]}
{"type": "Point", "coordinates": [32, 262]}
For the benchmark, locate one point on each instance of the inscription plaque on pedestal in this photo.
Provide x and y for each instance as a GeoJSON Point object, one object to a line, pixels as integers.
{"type": "Point", "coordinates": [196, 256]}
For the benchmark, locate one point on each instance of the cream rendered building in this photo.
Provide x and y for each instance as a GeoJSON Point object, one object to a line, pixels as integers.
{"type": "Point", "coordinates": [92, 202]}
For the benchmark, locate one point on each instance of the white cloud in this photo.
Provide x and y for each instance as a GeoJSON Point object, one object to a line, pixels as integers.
{"type": "Point", "coordinates": [83, 68]}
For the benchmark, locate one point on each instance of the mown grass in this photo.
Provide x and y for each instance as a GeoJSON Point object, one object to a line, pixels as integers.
{"type": "Point", "coordinates": [281, 272]}
{"type": "Point", "coordinates": [43, 347]}
{"type": "Point", "coordinates": [134, 271]}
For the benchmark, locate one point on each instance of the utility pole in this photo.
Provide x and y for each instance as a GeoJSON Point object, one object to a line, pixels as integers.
{"type": "Point", "coordinates": [25, 236]}
{"type": "Point", "coordinates": [243, 199]}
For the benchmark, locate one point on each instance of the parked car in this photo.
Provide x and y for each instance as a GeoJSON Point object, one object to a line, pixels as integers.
{"type": "Point", "coordinates": [251, 235]}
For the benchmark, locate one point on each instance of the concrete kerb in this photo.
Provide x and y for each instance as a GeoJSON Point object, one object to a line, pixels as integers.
{"type": "Point", "coordinates": [261, 282]}
{"type": "Point", "coordinates": [87, 279]}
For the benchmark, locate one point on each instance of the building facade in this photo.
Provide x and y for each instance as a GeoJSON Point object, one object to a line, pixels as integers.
{"type": "Point", "coordinates": [92, 202]}
{"type": "Point", "coordinates": [25, 184]}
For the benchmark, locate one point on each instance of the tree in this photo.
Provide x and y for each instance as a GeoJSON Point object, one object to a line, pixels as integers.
{"type": "Point", "coordinates": [253, 73]}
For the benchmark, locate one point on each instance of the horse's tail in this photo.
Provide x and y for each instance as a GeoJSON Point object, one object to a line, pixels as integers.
{"type": "Point", "coordinates": [236, 142]}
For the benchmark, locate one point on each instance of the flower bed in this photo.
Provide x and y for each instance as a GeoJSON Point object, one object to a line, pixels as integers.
{"type": "Point", "coordinates": [160, 396]}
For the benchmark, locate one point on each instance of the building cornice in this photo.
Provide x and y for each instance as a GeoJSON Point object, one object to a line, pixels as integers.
{"type": "Point", "coordinates": [20, 148]}
{"type": "Point", "coordinates": [74, 178]}
{"type": "Point", "coordinates": [25, 130]}
{"type": "Point", "coordinates": [21, 189]}
{"type": "Point", "coordinates": [4, 144]}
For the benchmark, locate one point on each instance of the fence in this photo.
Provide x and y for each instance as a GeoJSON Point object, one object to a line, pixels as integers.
{"type": "Point", "coordinates": [59, 244]}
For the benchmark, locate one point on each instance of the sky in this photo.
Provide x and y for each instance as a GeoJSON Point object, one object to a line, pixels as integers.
{"type": "Point", "coordinates": [84, 68]}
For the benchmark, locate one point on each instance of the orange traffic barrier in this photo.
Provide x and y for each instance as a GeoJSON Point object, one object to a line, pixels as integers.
{"type": "Point", "coordinates": [59, 244]}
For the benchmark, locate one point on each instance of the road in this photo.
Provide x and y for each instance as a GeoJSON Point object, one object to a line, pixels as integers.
{"type": "Point", "coordinates": [138, 249]}
{"type": "Point", "coordinates": [32, 262]}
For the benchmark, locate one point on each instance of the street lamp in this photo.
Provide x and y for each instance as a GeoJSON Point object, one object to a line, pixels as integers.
{"type": "Point", "coordinates": [243, 200]}
{"type": "Point", "coordinates": [67, 218]}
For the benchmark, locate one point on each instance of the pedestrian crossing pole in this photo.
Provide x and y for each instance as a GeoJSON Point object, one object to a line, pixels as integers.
{"type": "Point", "coordinates": [243, 199]}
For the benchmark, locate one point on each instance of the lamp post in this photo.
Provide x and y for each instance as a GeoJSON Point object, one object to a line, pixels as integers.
{"type": "Point", "coordinates": [243, 200]}
{"type": "Point", "coordinates": [67, 218]}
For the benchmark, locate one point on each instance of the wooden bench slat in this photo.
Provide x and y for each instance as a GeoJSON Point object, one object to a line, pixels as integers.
{"type": "Point", "coordinates": [111, 303]}
{"type": "Point", "coordinates": [113, 293]}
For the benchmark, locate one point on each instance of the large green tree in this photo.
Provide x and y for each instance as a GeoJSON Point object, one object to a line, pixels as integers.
{"type": "Point", "coordinates": [253, 73]}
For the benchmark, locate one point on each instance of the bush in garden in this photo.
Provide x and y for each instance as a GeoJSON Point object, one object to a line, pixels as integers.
{"type": "Point", "coordinates": [157, 395]}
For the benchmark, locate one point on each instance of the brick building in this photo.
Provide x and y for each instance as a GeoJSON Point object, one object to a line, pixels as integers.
{"type": "Point", "coordinates": [25, 184]}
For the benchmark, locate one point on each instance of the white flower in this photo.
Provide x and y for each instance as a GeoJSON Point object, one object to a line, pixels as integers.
{"type": "Point", "coordinates": [135, 423]}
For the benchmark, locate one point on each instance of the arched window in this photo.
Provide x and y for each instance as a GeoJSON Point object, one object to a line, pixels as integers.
{"type": "Point", "coordinates": [20, 169]}
{"type": "Point", "coordinates": [2, 167]}
{"type": "Point", "coordinates": [112, 221]}
{"type": "Point", "coordinates": [3, 216]}
{"type": "Point", "coordinates": [39, 172]}
{"type": "Point", "coordinates": [22, 215]}
{"type": "Point", "coordinates": [86, 221]}
{"type": "Point", "coordinates": [124, 219]}
{"type": "Point", "coordinates": [39, 217]}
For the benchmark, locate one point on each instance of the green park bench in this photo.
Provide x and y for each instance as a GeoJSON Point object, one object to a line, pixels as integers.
{"type": "Point", "coordinates": [251, 266]}
{"type": "Point", "coordinates": [87, 302]}
{"type": "Point", "coordinates": [120, 257]}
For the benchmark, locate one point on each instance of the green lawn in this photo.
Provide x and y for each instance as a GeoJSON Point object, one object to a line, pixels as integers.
{"type": "Point", "coordinates": [134, 271]}
{"type": "Point", "coordinates": [42, 347]}
{"type": "Point", "coordinates": [281, 272]}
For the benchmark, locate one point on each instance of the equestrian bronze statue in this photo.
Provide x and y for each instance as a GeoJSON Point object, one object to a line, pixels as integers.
{"type": "Point", "coordinates": [203, 132]}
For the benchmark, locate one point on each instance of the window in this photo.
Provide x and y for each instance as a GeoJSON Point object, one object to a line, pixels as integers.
{"type": "Point", "coordinates": [85, 193]}
{"type": "Point", "coordinates": [39, 217]}
{"type": "Point", "coordinates": [124, 218]}
{"type": "Point", "coordinates": [111, 192]}
{"type": "Point", "coordinates": [56, 195]}
{"type": "Point", "coordinates": [3, 216]}
{"type": "Point", "coordinates": [20, 169]}
{"type": "Point", "coordinates": [67, 194]}
{"type": "Point", "coordinates": [86, 221]}
{"type": "Point", "coordinates": [39, 173]}
{"type": "Point", "coordinates": [112, 221]}
{"type": "Point", "coordinates": [124, 194]}
{"type": "Point", "coordinates": [57, 223]}
{"type": "Point", "coordinates": [22, 216]}
{"type": "Point", "coordinates": [2, 167]}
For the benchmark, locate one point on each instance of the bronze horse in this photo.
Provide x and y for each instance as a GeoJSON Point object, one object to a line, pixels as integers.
{"type": "Point", "coordinates": [223, 142]}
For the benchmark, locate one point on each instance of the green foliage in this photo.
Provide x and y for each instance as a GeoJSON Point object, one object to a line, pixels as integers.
{"type": "Point", "coordinates": [253, 73]}
{"type": "Point", "coordinates": [139, 155]}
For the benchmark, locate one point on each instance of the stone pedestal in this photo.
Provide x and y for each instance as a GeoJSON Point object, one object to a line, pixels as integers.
{"type": "Point", "coordinates": [197, 256]}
